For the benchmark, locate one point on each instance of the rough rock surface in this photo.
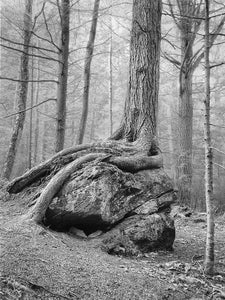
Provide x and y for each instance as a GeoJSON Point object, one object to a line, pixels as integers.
{"type": "Point", "coordinates": [133, 209]}
{"type": "Point", "coordinates": [140, 233]}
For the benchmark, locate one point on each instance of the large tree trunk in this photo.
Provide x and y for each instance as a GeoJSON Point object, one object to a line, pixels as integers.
{"type": "Point", "coordinates": [141, 107]}
{"type": "Point", "coordinates": [209, 254]}
{"type": "Point", "coordinates": [22, 93]}
{"type": "Point", "coordinates": [87, 73]}
{"type": "Point", "coordinates": [63, 75]}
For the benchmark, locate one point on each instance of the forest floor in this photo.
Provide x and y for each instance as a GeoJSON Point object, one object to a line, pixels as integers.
{"type": "Point", "coordinates": [38, 263]}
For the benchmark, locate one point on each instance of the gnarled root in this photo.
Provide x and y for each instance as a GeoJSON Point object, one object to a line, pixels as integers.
{"type": "Point", "coordinates": [136, 163]}
{"type": "Point", "coordinates": [64, 157]}
{"type": "Point", "coordinates": [117, 149]}
{"type": "Point", "coordinates": [39, 209]}
{"type": "Point", "coordinates": [123, 155]}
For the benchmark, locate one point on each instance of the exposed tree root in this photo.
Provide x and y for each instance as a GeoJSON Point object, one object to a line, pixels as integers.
{"type": "Point", "coordinates": [118, 134]}
{"type": "Point", "coordinates": [17, 185]}
{"type": "Point", "coordinates": [126, 156]}
{"type": "Point", "coordinates": [64, 157]}
{"type": "Point", "coordinates": [137, 162]}
{"type": "Point", "coordinates": [39, 209]}
{"type": "Point", "coordinates": [115, 148]}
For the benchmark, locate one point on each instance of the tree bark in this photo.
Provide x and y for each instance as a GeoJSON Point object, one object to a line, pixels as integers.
{"type": "Point", "coordinates": [63, 75]}
{"type": "Point", "coordinates": [30, 158]}
{"type": "Point", "coordinates": [209, 254]}
{"type": "Point", "coordinates": [188, 26]}
{"type": "Point", "coordinates": [37, 120]}
{"type": "Point", "coordinates": [87, 75]}
{"type": "Point", "coordinates": [141, 106]}
{"type": "Point", "coordinates": [22, 93]}
{"type": "Point", "coordinates": [110, 79]}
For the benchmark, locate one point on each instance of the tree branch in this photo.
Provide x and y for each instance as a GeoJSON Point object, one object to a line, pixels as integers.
{"type": "Point", "coordinates": [171, 59]}
{"type": "Point", "coordinates": [34, 55]}
{"type": "Point", "coordinates": [217, 65]}
{"type": "Point", "coordinates": [49, 32]}
{"type": "Point", "coordinates": [213, 36]}
{"type": "Point", "coordinates": [219, 165]}
{"type": "Point", "coordinates": [29, 108]}
{"type": "Point", "coordinates": [216, 125]}
{"type": "Point", "coordinates": [19, 80]}
{"type": "Point", "coordinates": [38, 15]}
{"type": "Point", "coordinates": [30, 46]}
{"type": "Point", "coordinates": [60, 15]}
{"type": "Point", "coordinates": [173, 15]}
{"type": "Point", "coordinates": [44, 39]}
{"type": "Point", "coordinates": [218, 150]}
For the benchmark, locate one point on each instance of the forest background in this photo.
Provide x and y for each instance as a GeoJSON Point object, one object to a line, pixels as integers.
{"type": "Point", "coordinates": [108, 85]}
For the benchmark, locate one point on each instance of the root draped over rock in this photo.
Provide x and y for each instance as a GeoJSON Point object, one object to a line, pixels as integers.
{"type": "Point", "coordinates": [60, 167]}
{"type": "Point", "coordinates": [68, 155]}
{"type": "Point", "coordinates": [38, 211]}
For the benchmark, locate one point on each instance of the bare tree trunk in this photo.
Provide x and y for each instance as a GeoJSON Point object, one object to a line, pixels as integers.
{"type": "Point", "coordinates": [172, 146]}
{"type": "Point", "coordinates": [188, 22]}
{"type": "Point", "coordinates": [110, 81]}
{"type": "Point", "coordinates": [185, 124]}
{"type": "Point", "coordinates": [31, 115]}
{"type": "Point", "coordinates": [185, 108]}
{"type": "Point", "coordinates": [141, 108]}
{"type": "Point", "coordinates": [37, 121]}
{"type": "Point", "coordinates": [92, 131]}
{"type": "Point", "coordinates": [44, 141]}
{"type": "Point", "coordinates": [63, 75]}
{"type": "Point", "coordinates": [209, 254]}
{"type": "Point", "coordinates": [87, 69]}
{"type": "Point", "coordinates": [22, 93]}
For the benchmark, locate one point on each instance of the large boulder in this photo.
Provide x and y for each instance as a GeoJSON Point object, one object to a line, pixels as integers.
{"type": "Point", "coordinates": [133, 207]}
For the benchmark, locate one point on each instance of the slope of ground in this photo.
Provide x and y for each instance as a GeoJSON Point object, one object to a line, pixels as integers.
{"type": "Point", "coordinates": [37, 263]}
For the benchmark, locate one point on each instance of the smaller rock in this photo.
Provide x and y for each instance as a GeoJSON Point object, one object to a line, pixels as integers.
{"type": "Point", "coordinates": [77, 232]}
{"type": "Point", "coordinates": [199, 220]}
{"type": "Point", "coordinates": [180, 212]}
{"type": "Point", "coordinates": [140, 234]}
{"type": "Point", "coordinates": [95, 234]}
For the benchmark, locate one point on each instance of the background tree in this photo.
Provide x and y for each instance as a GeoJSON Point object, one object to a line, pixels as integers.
{"type": "Point", "coordinates": [209, 255]}
{"type": "Point", "coordinates": [64, 11]}
{"type": "Point", "coordinates": [87, 70]}
{"type": "Point", "coordinates": [190, 21]}
{"type": "Point", "coordinates": [111, 80]}
{"type": "Point", "coordinates": [188, 18]}
{"type": "Point", "coordinates": [22, 92]}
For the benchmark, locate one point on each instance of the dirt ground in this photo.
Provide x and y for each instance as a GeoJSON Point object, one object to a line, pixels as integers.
{"type": "Point", "coordinates": [37, 263]}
